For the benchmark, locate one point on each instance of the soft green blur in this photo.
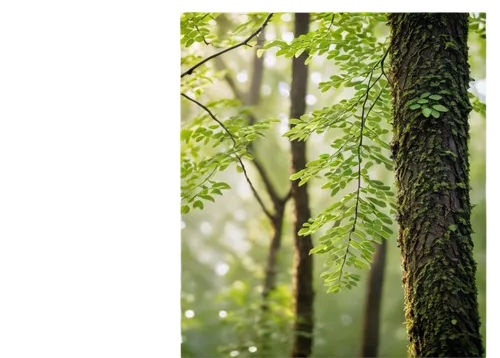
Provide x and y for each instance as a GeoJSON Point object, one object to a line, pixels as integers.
{"type": "Point", "coordinates": [224, 247]}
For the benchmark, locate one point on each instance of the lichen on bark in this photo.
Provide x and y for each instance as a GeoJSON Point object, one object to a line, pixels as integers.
{"type": "Point", "coordinates": [429, 55]}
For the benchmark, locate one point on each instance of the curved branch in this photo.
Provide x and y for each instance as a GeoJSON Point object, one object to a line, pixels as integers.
{"type": "Point", "coordinates": [244, 42]}
{"type": "Point", "coordinates": [268, 214]}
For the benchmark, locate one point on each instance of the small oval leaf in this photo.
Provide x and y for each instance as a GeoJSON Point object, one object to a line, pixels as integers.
{"type": "Point", "coordinates": [440, 108]}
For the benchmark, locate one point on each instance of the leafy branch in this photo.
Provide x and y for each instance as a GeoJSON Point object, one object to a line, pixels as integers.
{"type": "Point", "coordinates": [256, 194]}
{"type": "Point", "coordinates": [363, 119]}
{"type": "Point", "coordinates": [244, 42]}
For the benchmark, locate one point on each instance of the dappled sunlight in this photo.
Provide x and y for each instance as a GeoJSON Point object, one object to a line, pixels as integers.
{"type": "Point", "coordinates": [242, 77]}
{"type": "Point", "coordinates": [240, 215]}
{"type": "Point", "coordinates": [283, 128]}
{"type": "Point", "coordinates": [221, 269]}
{"type": "Point", "coordinates": [206, 228]}
{"type": "Point", "coordinates": [311, 99]}
{"type": "Point", "coordinates": [236, 237]}
{"type": "Point", "coordinates": [287, 36]}
{"type": "Point", "coordinates": [284, 89]}
{"type": "Point", "coordinates": [243, 190]}
{"type": "Point", "coordinates": [270, 35]}
{"type": "Point", "coordinates": [286, 17]}
{"type": "Point", "coordinates": [316, 77]}
{"type": "Point", "coordinates": [269, 59]}
{"type": "Point", "coordinates": [266, 90]}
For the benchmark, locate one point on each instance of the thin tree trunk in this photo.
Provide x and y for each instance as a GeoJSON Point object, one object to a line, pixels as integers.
{"type": "Point", "coordinates": [274, 247]}
{"type": "Point", "coordinates": [371, 325]}
{"type": "Point", "coordinates": [251, 98]}
{"type": "Point", "coordinates": [303, 263]}
{"type": "Point", "coordinates": [429, 54]}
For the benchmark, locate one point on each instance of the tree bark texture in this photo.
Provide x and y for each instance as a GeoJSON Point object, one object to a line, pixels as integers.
{"type": "Point", "coordinates": [429, 54]}
{"type": "Point", "coordinates": [303, 262]}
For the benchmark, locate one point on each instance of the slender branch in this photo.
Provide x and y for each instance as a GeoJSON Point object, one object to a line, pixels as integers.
{"type": "Point", "coordinates": [331, 23]}
{"type": "Point", "coordinates": [203, 37]}
{"type": "Point", "coordinates": [267, 182]}
{"type": "Point", "coordinates": [244, 42]}
{"type": "Point", "coordinates": [268, 214]}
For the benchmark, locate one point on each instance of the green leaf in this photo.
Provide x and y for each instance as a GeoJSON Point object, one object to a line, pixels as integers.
{"type": "Point", "coordinates": [317, 249]}
{"type": "Point", "coordinates": [453, 321]}
{"type": "Point", "coordinates": [296, 175]}
{"type": "Point", "coordinates": [427, 112]}
{"type": "Point", "coordinates": [377, 202]}
{"type": "Point", "coordinates": [198, 204]}
{"type": "Point", "coordinates": [415, 106]}
{"type": "Point", "coordinates": [452, 227]}
{"type": "Point", "coordinates": [299, 52]}
{"type": "Point", "coordinates": [424, 95]}
{"type": "Point", "coordinates": [334, 289]}
{"type": "Point", "coordinates": [260, 52]}
{"type": "Point", "coordinates": [435, 97]}
{"type": "Point", "coordinates": [239, 169]}
{"type": "Point", "coordinates": [422, 101]}
{"type": "Point", "coordinates": [207, 197]}
{"type": "Point", "coordinates": [185, 209]}
{"type": "Point", "coordinates": [303, 231]}
{"type": "Point", "coordinates": [303, 181]}
{"type": "Point", "coordinates": [221, 185]}
{"type": "Point", "coordinates": [326, 186]}
{"type": "Point", "coordinates": [440, 108]}
{"type": "Point", "coordinates": [216, 191]}
{"type": "Point", "coordinates": [435, 114]}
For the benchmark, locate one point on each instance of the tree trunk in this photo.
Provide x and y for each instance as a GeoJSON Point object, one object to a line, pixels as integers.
{"type": "Point", "coordinates": [429, 54]}
{"type": "Point", "coordinates": [303, 263]}
{"type": "Point", "coordinates": [371, 325]}
{"type": "Point", "coordinates": [274, 248]}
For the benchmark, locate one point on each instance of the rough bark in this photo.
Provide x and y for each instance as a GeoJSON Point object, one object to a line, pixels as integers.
{"type": "Point", "coordinates": [303, 263]}
{"type": "Point", "coordinates": [429, 54]}
{"type": "Point", "coordinates": [371, 325]}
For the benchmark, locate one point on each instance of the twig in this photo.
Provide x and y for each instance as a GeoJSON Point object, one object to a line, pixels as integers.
{"type": "Point", "coordinates": [203, 37]}
{"type": "Point", "coordinates": [331, 23]}
{"type": "Point", "coordinates": [244, 42]}
{"type": "Point", "coordinates": [268, 214]}
{"type": "Point", "coordinates": [267, 182]}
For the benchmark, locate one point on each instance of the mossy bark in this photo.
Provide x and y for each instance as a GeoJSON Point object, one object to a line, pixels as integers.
{"type": "Point", "coordinates": [429, 54]}
{"type": "Point", "coordinates": [303, 263]}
